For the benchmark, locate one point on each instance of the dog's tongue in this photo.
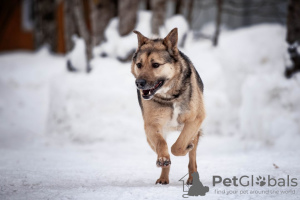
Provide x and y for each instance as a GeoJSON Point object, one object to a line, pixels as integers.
{"type": "Point", "coordinates": [146, 92]}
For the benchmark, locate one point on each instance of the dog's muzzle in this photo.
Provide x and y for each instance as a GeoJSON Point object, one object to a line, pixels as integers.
{"type": "Point", "coordinates": [147, 91]}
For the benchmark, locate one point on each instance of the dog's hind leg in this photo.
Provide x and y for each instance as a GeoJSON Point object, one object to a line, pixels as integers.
{"type": "Point", "coordinates": [192, 159]}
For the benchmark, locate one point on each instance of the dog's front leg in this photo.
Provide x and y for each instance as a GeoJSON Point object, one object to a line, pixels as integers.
{"type": "Point", "coordinates": [184, 143]}
{"type": "Point", "coordinates": [159, 145]}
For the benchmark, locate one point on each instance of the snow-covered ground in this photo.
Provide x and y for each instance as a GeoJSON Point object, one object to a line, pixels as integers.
{"type": "Point", "coordinates": [80, 136]}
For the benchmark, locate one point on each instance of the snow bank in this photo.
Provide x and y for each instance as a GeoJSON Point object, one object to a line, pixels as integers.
{"type": "Point", "coordinates": [270, 110]}
{"type": "Point", "coordinates": [245, 91]}
{"type": "Point", "coordinates": [24, 82]}
{"type": "Point", "coordinates": [268, 102]}
{"type": "Point", "coordinates": [93, 107]}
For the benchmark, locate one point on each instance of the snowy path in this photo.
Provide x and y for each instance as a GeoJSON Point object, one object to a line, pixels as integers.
{"type": "Point", "coordinates": [123, 170]}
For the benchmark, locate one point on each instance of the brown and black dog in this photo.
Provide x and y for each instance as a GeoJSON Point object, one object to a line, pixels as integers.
{"type": "Point", "coordinates": [170, 94]}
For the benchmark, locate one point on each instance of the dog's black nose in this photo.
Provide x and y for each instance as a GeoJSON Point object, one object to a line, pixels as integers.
{"type": "Point", "coordinates": [140, 83]}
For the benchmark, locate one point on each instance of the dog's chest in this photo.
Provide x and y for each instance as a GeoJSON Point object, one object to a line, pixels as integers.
{"type": "Point", "coordinates": [174, 119]}
{"type": "Point", "coordinates": [173, 123]}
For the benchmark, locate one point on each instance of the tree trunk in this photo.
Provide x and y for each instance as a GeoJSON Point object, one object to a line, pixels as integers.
{"type": "Point", "coordinates": [45, 24]}
{"type": "Point", "coordinates": [127, 15]}
{"type": "Point", "coordinates": [102, 11]}
{"type": "Point", "coordinates": [190, 13]}
{"type": "Point", "coordinates": [293, 21]}
{"type": "Point", "coordinates": [178, 6]}
{"type": "Point", "coordinates": [158, 17]}
{"type": "Point", "coordinates": [218, 22]}
{"type": "Point", "coordinates": [293, 37]}
{"type": "Point", "coordinates": [246, 13]}
{"type": "Point", "coordinates": [82, 27]}
{"type": "Point", "coordinates": [79, 20]}
{"type": "Point", "coordinates": [75, 23]}
{"type": "Point", "coordinates": [69, 25]}
{"type": "Point", "coordinates": [148, 4]}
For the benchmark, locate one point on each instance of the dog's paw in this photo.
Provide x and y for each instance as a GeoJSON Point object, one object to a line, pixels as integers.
{"type": "Point", "coordinates": [163, 181]}
{"type": "Point", "coordinates": [189, 181]}
{"type": "Point", "coordinates": [163, 162]}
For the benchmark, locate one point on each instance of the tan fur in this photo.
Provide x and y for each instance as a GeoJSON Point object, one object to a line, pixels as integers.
{"type": "Point", "coordinates": [159, 118]}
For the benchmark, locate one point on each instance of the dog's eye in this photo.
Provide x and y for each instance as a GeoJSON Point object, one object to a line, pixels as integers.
{"type": "Point", "coordinates": [139, 65]}
{"type": "Point", "coordinates": [155, 65]}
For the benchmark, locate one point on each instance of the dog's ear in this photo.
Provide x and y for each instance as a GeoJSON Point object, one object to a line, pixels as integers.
{"type": "Point", "coordinates": [141, 39]}
{"type": "Point", "coordinates": [170, 41]}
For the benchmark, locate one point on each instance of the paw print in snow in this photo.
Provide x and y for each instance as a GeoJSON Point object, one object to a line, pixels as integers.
{"type": "Point", "coordinates": [260, 181]}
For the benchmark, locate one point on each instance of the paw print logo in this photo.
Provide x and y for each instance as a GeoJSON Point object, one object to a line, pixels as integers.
{"type": "Point", "coordinates": [261, 181]}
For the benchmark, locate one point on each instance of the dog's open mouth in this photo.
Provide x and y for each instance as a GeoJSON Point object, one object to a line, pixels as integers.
{"type": "Point", "coordinates": [147, 94]}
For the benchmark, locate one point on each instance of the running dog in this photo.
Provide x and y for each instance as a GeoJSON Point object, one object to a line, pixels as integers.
{"type": "Point", "coordinates": [170, 94]}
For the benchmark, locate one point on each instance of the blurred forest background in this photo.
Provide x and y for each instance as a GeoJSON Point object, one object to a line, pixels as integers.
{"type": "Point", "coordinates": [28, 24]}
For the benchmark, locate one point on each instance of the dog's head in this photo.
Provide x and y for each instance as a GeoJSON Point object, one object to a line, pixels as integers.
{"type": "Point", "coordinates": [154, 64]}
